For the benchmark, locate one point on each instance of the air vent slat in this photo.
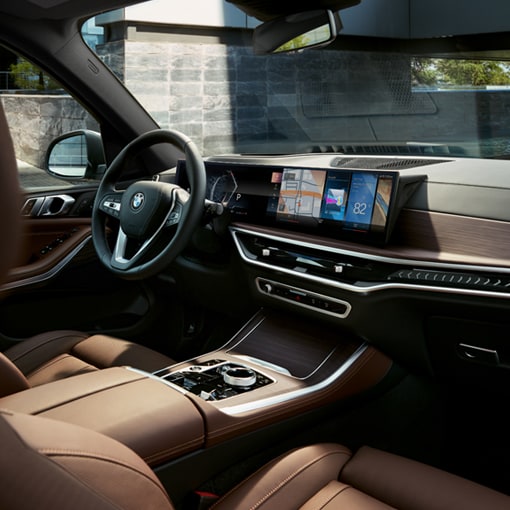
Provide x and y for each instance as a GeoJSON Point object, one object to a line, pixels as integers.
{"type": "Point", "coordinates": [383, 163]}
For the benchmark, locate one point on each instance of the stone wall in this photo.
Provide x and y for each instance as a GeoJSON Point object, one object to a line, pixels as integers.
{"type": "Point", "coordinates": [194, 88]}
{"type": "Point", "coordinates": [230, 100]}
{"type": "Point", "coordinates": [35, 120]}
{"type": "Point", "coordinates": [226, 98]}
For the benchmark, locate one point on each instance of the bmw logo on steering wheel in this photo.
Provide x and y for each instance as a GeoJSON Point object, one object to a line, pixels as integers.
{"type": "Point", "coordinates": [137, 201]}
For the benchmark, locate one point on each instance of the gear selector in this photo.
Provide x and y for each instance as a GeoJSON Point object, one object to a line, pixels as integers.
{"type": "Point", "coordinates": [216, 379]}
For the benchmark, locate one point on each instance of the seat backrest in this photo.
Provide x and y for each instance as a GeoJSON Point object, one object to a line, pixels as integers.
{"type": "Point", "coordinates": [12, 379]}
{"type": "Point", "coordinates": [10, 200]}
{"type": "Point", "coordinates": [51, 464]}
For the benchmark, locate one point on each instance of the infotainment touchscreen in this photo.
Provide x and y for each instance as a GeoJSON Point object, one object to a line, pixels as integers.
{"type": "Point", "coordinates": [352, 200]}
{"type": "Point", "coordinates": [341, 203]}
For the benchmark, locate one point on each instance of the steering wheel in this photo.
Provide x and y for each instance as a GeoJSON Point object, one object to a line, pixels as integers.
{"type": "Point", "coordinates": [156, 219]}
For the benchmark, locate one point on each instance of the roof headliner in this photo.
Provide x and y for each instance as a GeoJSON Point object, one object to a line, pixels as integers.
{"type": "Point", "coordinates": [73, 9]}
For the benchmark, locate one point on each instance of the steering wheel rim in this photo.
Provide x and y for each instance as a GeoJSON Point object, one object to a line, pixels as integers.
{"type": "Point", "coordinates": [183, 216]}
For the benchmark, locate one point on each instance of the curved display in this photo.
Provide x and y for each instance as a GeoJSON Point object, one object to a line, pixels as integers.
{"type": "Point", "coordinates": [354, 204]}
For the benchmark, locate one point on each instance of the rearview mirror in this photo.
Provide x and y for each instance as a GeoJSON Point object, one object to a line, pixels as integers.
{"type": "Point", "coordinates": [76, 155]}
{"type": "Point", "coordinates": [296, 32]}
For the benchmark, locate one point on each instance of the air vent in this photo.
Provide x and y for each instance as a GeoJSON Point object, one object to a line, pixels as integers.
{"type": "Point", "coordinates": [384, 163]}
{"type": "Point", "coordinates": [392, 150]}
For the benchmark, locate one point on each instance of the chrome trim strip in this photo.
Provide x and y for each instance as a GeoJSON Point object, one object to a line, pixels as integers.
{"type": "Point", "coordinates": [228, 348]}
{"type": "Point", "coordinates": [377, 286]}
{"type": "Point", "coordinates": [49, 274]}
{"type": "Point", "coordinates": [234, 410]}
{"type": "Point", "coordinates": [67, 202]}
{"type": "Point", "coordinates": [262, 363]}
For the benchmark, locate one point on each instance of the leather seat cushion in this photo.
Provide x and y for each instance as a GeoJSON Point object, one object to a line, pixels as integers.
{"type": "Point", "coordinates": [405, 483]}
{"type": "Point", "coordinates": [290, 480]}
{"type": "Point", "coordinates": [59, 354]}
{"type": "Point", "coordinates": [338, 495]}
{"type": "Point", "coordinates": [328, 476]}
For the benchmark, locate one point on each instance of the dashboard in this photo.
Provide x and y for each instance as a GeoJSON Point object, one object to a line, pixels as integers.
{"type": "Point", "coordinates": [408, 252]}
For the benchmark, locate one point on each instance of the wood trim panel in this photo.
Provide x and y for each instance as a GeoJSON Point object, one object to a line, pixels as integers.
{"type": "Point", "coordinates": [455, 238]}
{"type": "Point", "coordinates": [425, 236]}
{"type": "Point", "coordinates": [298, 345]}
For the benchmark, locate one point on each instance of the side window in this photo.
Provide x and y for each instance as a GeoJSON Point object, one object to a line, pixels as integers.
{"type": "Point", "coordinates": [39, 110]}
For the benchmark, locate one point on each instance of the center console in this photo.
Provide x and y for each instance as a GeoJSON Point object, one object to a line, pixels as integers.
{"type": "Point", "coordinates": [215, 379]}
{"type": "Point", "coordinates": [276, 367]}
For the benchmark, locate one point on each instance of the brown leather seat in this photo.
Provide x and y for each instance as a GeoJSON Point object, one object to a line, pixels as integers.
{"type": "Point", "coordinates": [58, 354]}
{"type": "Point", "coordinates": [328, 477]}
{"type": "Point", "coordinates": [50, 464]}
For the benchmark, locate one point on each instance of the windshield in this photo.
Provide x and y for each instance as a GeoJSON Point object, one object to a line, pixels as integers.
{"type": "Point", "coordinates": [230, 100]}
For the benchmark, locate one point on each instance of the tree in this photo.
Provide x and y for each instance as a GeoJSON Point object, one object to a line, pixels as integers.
{"type": "Point", "coordinates": [457, 72]}
{"type": "Point", "coordinates": [473, 72]}
{"type": "Point", "coordinates": [27, 76]}
{"type": "Point", "coordinates": [423, 71]}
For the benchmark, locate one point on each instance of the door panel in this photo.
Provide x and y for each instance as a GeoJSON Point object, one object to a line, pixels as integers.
{"type": "Point", "coordinates": [47, 244]}
{"type": "Point", "coordinates": [59, 283]}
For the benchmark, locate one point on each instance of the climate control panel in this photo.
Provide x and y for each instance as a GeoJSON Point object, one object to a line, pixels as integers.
{"type": "Point", "coordinates": [305, 298]}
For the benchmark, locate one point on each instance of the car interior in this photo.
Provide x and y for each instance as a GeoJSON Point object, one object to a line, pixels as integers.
{"type": "Point", "coordinates": [322, 327]}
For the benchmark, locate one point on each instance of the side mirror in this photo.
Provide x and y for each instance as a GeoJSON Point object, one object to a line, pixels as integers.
{"type": "Point", "coordinates": [296, 32]}
{"type": "Point", "coordinates": [76, 155]}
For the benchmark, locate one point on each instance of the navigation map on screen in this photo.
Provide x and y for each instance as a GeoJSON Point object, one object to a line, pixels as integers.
{"type": "Point", "coordinates": [301, 193]}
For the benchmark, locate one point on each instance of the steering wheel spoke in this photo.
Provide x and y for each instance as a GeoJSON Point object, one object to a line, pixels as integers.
{"type": "Point", "coordinates": [181, 198]}
{"type": "Point", "coordinates": [120, 258]}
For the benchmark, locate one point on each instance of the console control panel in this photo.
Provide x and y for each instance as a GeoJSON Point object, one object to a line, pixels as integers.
{"type": "Point", "coordinates": [302, 297]}
{"type": "Point", "coordinates": [216, 379]}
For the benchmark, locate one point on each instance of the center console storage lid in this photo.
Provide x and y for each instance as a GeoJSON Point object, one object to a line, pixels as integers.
{"type": "Point", "coordinates": [151, 418]}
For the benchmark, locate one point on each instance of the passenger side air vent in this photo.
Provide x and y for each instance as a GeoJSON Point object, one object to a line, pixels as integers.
{"type": "Point", "coordinates": [404, 150]}
{"type": "Point", "coordinates": [384, 163]}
